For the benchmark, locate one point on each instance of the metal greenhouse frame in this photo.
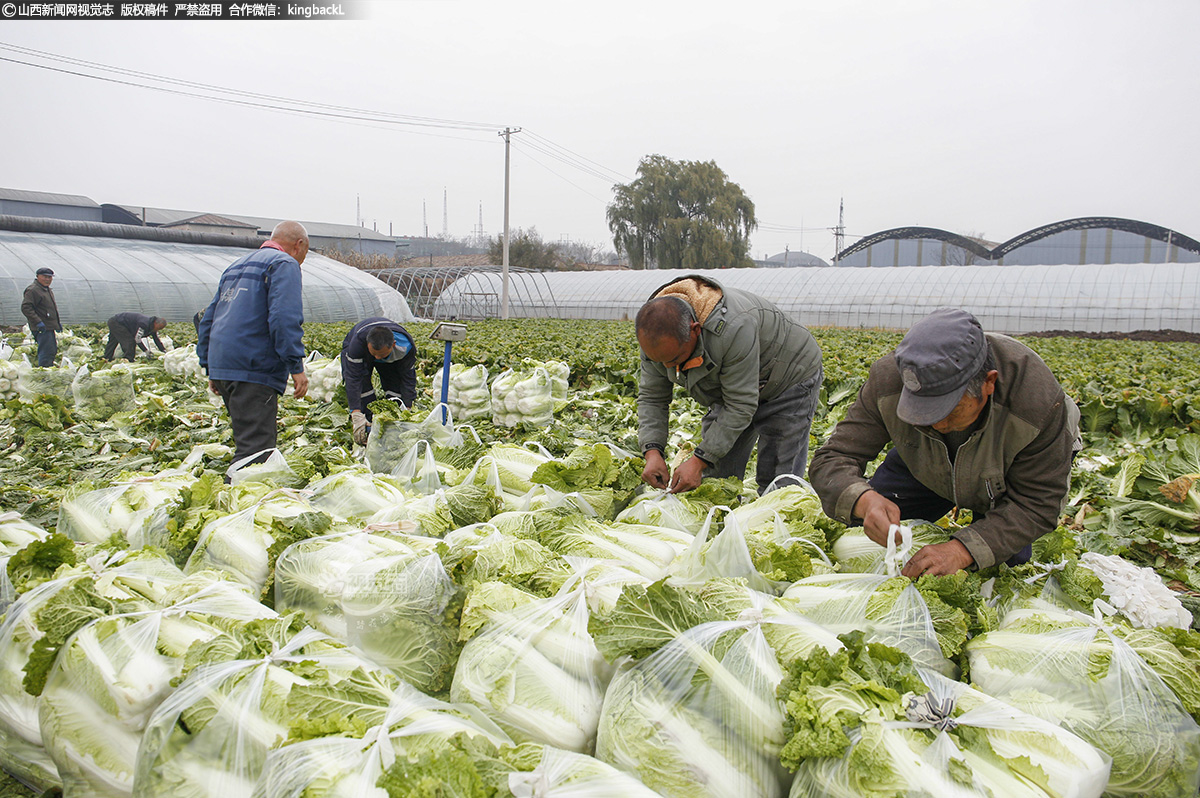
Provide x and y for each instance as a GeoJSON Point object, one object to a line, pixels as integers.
{"type": "Point", "coordinates": [477, 291]}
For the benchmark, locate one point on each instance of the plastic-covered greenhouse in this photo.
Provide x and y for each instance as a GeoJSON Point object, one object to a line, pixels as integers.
{"type": "Point", "coordinates": [1010, 299]}
{"type": "Point", "coordinates": [96, 276]}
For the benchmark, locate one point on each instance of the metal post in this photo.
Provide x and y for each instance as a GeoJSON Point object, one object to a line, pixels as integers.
{"type": "Point", "coordinates": [507, 133]}
{"type": "Point", "coordinates": [446, 383]}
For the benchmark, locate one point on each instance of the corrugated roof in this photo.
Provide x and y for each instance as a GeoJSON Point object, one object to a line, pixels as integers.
{"type": "Point", "coordinates": [164, 216]}
{"type": "Point", "coordinates": [214, 220]}
{"type": "Point", "coordinates": [46, 198]}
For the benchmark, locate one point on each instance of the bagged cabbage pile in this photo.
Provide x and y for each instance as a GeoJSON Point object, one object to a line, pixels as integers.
{"type": "Point", "coordinates": [45, 615]}
{"type": "Point", "coordinates": [47, 382]}
{"type": "Point", "coordinates": [522, 398]}
{"type": "Point", "coordinates": [246, 692]}
{"type": "Point", "coordinates": [418, 738]}
{"type": "Point", "coordinates": [15, 534]}
{"type": "Point", "coordinates": [536, 671]}
{"type": "Point", "coordinates": [101, 394]}
{"type": "Point", "coordinates": [183, 362]}
{"type": "Point", "coordinates": [699, 718]}
{"type": "Point", "coordinates": [1082, 674]}
{"type": "Point", "coordinates": [245, 544]}
{"type": "Point", "coordinates": [388, 596]}
{"type": "Point", "coordinates": [9, 380]}
{"type": "Point", "coordinates": [115, 671]}
{"type": "Point", "coordinates": [391, 440]}
{"type": "Point", "coordinates": [468, 397]}
{"type": "Point", "coordinates": [324, 379]}
{"type": "Point", "coordinates": [559, 373]}
{"type": "Point", "coordinates": [865, 721]}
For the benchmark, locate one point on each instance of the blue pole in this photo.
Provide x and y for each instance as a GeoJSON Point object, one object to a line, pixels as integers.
{"type": "Point", "coordinates": [445, 383]}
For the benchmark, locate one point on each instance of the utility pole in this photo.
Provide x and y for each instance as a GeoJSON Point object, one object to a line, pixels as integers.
{"type": "Point", "coordinates": [445, 215]}
{"type": "Point", "coordinates": [839, 232]}
{"type": "Point", "coordinates": [424, 219]}
{"type": "Point", "coordinates": [507, 134]}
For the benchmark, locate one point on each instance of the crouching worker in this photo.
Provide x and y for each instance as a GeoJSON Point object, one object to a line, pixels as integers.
{"type": "Point", "coordinates": [381, 345]}
{"type": "Point", "coordinates": [976, 420]}
{"type": "Point", "coordinates": [128, 329]}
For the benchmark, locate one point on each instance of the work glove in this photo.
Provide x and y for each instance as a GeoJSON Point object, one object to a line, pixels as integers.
{"type": "Point", "coordinates": [361, 427]}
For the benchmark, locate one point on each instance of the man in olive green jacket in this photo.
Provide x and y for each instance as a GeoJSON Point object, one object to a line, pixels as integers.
{"type": "Point", "coordinates": [757, 370]}
{"type": "Point", "coordinates": [976, 421]}
{"type": "Point", "coordinates": [41, 311]}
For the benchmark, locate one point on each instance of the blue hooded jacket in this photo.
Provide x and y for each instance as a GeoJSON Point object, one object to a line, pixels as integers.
{"type": "Point", "coordinates": [251, 331]}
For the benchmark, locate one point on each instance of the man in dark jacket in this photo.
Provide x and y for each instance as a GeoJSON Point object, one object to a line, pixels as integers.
{"type": "Point", "coordinates": [382, 345]}
{"type": "Point", "coordinates": [128, 329]}
{"type": "Point", "coordinates": [976, 421]}
{"type": "Point", "coordinates": [41, 310]}
{"type": "Point", "coordinates": [251, 337]}
{"type": "Point", "coordinates": [756, 369]}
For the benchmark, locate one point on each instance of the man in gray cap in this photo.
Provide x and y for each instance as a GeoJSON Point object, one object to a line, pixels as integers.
{"type": "Point", "coordinates": [41, 310]}
{"type": "Point", "coordinates": [977, 421]}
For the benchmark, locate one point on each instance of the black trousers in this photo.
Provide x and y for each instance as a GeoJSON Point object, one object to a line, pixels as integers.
{"type": "Point", "coordinates": [119, 334]}
{"type": "Point", "coordinates": [253, 414]}
{"type": "Point", "coordinates": [894, 481]}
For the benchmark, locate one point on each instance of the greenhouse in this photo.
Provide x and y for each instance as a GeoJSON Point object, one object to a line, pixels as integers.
{"type": "Point", "coordinates": [162, 274]}
{"type": "Point", "coordinates": [1009, 299]}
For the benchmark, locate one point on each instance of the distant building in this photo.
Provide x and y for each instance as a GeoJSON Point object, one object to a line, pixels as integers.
{"type": "Point", "coordinates": [211, 223]}
{"type": "Point", "coordinates": [42, 205]}
{"type": "Point", "coordinates": [786, 260]}
{"type": "Point", "coordinates": [323, 236]}
{"type": "Point", "coordinates": [1075, 242]}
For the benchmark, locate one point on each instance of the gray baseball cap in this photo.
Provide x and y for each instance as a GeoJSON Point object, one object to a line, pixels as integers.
{"type": "Point", "coordinates": [937, 358]}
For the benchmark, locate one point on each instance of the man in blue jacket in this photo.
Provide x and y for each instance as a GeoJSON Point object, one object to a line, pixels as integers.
{"type": "Point", "coordinates": [251, 338]}
{"type": "Point", "coordinates": [382, 345]}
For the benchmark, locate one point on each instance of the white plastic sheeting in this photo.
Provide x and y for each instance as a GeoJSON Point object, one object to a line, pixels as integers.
{"type": "Point", "coordinates": [95, 278]}
{"type": "Point", "coordinates": [1008, 299]}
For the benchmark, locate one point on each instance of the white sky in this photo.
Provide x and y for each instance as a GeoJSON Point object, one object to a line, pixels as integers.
{"type": "Point", "coordinates": [978, 117]}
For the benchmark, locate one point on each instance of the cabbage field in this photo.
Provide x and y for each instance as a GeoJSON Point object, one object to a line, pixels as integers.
{"type": "Point", "coordinates": [495, 606]}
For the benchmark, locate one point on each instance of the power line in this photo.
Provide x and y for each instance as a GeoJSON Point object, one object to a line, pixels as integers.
{"type": "Point", "coordinates": [235, 96]}
{"type": "Point", "coordinates": [556, 174]}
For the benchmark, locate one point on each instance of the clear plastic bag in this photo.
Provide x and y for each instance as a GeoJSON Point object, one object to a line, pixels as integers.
{"type": "Point", "coordinates": [402, 611]}
{"type": "Point", "coordinates": [355, 494]}
{"type": "Point", "coordinates": [1073, 670]}
{"type": "Point", "coordinates": [211, 736]}
{"type": "Point", "coordinates": [522, 398]}
{"type": "Point", "coordinates": [274, 469]}
{"type": "Point", "coordinates": [120, 578]}
{"type": "Point", "coordinates": [700, 717]}
{"type": "Point", "coordinates": [349, 767]}
{"type": "Point", "coordinates": [468, 395]}
{"type": "Point", "coordinates": [537, 672]}
{"type": "Point", "coordinates": [889, 610]}
{"type": "Point", "coordinates": [311, 575]}
{"type": "Point", "coordinates": [101, 394]}
{"type": "Point", "coordinates": [47, 381]}
{"type": "Point", "coordinates": [390, 441]}
{"type": "Point", "coordinates": [115, 671]}
{"type": "Point", "coordinates": [566, 774]}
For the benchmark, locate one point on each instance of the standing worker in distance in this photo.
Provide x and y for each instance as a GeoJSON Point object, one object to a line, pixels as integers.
{"type": "Point", "coordinates": [757, 370]}
{"type": "Point", "coordinates": [975, 420]}
{"type": "Point", "coordinates": [382, 345]}
{"type": "Point", "coordinates": [41, 311]}
{"type": "Point", "coordinates": [251, 337]}
{"type": "Point", "coordinates": [128, 329]}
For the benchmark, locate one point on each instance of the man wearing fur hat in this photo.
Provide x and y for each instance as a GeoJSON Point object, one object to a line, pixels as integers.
{"type": "Point", "coordinates": [755, 368]}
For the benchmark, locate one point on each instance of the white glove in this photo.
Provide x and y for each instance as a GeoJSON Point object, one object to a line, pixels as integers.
{"type": "Point", "coordinates": [361, 427]}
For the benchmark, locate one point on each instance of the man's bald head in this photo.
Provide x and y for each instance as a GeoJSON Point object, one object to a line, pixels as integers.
{"type": "Point", "coordinates": [668, 317]}
{"type": "Point", "coordinates": [293, 238]}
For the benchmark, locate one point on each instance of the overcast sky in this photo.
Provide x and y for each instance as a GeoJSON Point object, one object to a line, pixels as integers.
{"type": "Point", "coordinates": [978, 117]}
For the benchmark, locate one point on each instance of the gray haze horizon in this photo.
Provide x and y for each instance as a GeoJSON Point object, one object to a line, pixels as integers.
{"type": "Point", "coordinates": [985, 119]}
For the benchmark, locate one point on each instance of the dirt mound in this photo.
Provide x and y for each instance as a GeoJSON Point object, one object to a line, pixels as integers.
{"type": "Point", "coordinates": [1166, 336]}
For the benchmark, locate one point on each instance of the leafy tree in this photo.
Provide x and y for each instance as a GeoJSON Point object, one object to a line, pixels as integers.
{"type": "Point", "coordinates": [681, 215]}
{"type": "Point", "coordinates": [526, 249]}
